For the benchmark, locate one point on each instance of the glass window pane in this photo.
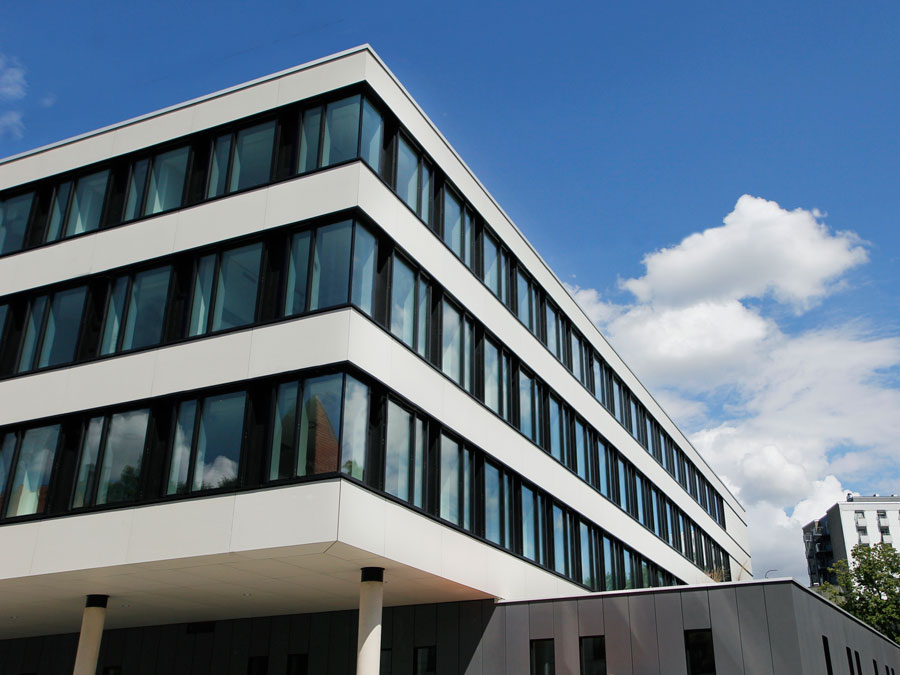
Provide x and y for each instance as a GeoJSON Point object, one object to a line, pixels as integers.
{"type": "Point", "coordinates": [297, 275]}
{"type": "Point", "coordinates": [492, 395]}
{"type": "Point", "coordinates": [281, 462]}
{"type": "Point", "coordinates": [181, 448]}
{"type": "Point", "coordinates": [407, 173]}
{"type": "Point", "coordinates": [331, 266]}
{"type": "Point", "coordinates": [218, 169]}
{"type": "Point", "coordinates": [135, 196]}
{"type": "Point", "coordinates": [31, 480]}
{"type": "Point", "coordinates": [451, 359]}
{"type": "Point", "coordinates": [33, 322]}
{"type": "Point", "coordinates": [523, 297]}
{"type": "Point", "coordinates": [529, 549]}
{"type": "Point", "coordinates": [576, 355]}
{"type": "Point", "coordinates": [87, 203]}
{"type": "Point", "coordinates": [14, 215]}
{"type": "Point", "coordinates": [419, 464]}
{"type": "Point", "coordinates": [468, 349]}
{"type": "Point", "coordinates": [202, 296]}
{"type": "Point", "coordinates": [372, 135]}
{"type": "Point", "coordinates": [167, 181]}
{"type": "Point", "coordinates": [146, 308]}
{"type": "Point", "coordinates": [397, 451]}
{"type": "Point", "coordinates": [586, 549]}
{"type": "Point", "coordinates": [87, 466]}
{"type": "Point", "coordinates": [115, 311]}
{"type": "Point", "coordinates": [426, 194]}
{"type": "Point", "coordinates": [559, 541]}
{"type": "Point", "coordinates": [7, 449]}
{"type": "Point", "coordinates": [452, 223]}
{"type": "Point", "coordinates": [124, 450]}
{"type": "Point", "coordinates": [449, 480]}
{"type": "Point", "coordinates": [543, 661]}
{"type": "Point", "coordinates": [403, 286]}
{"type": "Point", "coordinates": [627, 568]}
{"type": "Point", "coordinates": [491, 264]}
{"type": "Point", "coordinates": [593, 655]}
{"type": "Point", "coordinates": [252, 161]}
{"type": "Point", "coordinates": [237, 287]}
{"type": "Point", "coordinates": [701, 659]}
{"type": "Point", "coordinates": [468, 229]}
{"type": "Point", "coordinates": [581, 452]}
{"type": "Point", "coordinates": [551, 331]}
{"type": "Point", "coordinates": [526, 404]}
{"type": "Point", "coordinates": [363, 269]}
{"type": "Point", "coordinates": [423, 317]}
{"type": "Point", "coordinates": [424, 660]}
{"type": "Point", "coordinates": [59, 207]}
{"type": "Point", "coordinates": [219, 440]}
{"type": "Point", "coordinates": [320, 418]}
{"type": "Point", "coordinates": [557, 427]}
{"type": "Point", "coordinates": [602, 470]}
{"type": "Point", "coordinates": [355, 429]}
{"type": "Point", "coordinates": [309, 140]}
{"type": "Point", "coordinates": [341, 131]}
{"type": "Point", "coordinates": [492, 503]}
{"type": "Point", "coordinates": [61, 330]}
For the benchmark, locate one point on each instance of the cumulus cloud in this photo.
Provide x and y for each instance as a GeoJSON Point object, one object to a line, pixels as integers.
{"type": "Point", "coordinates": [11, 124]}
{"type": "Point", "coordinates": [778, 412]}
{"type": "Point", "coordinates": [12, 79]}
{"type": "Point", "coordinates": [761, 249]}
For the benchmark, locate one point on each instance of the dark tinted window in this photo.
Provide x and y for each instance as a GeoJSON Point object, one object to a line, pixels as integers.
{"type": "Point", "coordinates": [698, 647]}
{"type": "Point", "coordinates": [543, 661]}
{"type": "Point", "coordinates": [593, 655]}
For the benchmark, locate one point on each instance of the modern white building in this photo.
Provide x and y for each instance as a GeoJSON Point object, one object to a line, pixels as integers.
{"type": "Point", "coordinates": [858, 520]}
{"type": "Point", "coordinates": [258, 342]}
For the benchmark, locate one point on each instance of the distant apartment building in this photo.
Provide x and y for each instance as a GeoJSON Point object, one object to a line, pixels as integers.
{"type": "Point", "coordinates": [858, 520]}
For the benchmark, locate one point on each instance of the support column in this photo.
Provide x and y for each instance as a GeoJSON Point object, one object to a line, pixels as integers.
{"type": "Point", "coordinates": [91, 634]}
{"type": "Point", "coordinates": [371, 598]}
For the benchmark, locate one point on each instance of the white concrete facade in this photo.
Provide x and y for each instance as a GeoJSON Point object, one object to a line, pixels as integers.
{"type": "Point", "coordinates": [226, 555]}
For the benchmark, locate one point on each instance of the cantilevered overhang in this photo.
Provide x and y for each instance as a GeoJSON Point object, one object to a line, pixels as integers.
{"type": "Point", "coordinates": [276, 551]}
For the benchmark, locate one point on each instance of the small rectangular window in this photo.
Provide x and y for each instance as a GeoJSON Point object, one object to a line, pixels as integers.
{"type": "Point", "coordinates": [452, 342]}
{"type": "Point", "coordinates": [425, 660]}
{"type": "Point", "coordinates": [407, 174]}
{"type": "Point", "coordinates": [698, 647]}
{"type": "Point", "coordinates": [362, 287]}
{"type": "Point", "coordinates": [450, 478]}
{"type": "Point", "coordinates": [112, 450]}
{"type": "Point", "coordinates": [543, 660]}
{"type": "Point", "coordinates": [593, 655]}
{"type": "Point", "coordinates": [341, 139]}
{"type": "Point", "coordinates": [87, 203]}
{"type": "Point", "coordinates": [310, 132]}
{"type": "Point", "coordinates": [403, 301]}
{"type": "Point", "coordinates": [225, 289]}
{"type": "Point", "coordinates": [355, 428]}
{"type": "Point", "coordinates": [453, 230]}
{"type": "Point", "coordinates": [399, 445]}
{"type": "Point", "coordinates": [372, 136]}
{"type": "Point", "coordinates": [51, 331]}
{"type": "Point", "coordinates": [251, 163]}
{"type": "Point", "coordinates": [297, 664]}
{"type": "Point", "coordinates": [31, 474]}
{"type": "Point", "coordinates": [493, 380]}
{"type": "Point", "coordinates": [167, 180]}
{"type": "Point", "coordinates": [59, 206]}
{"type": "Point", "coordinates": [135, 311]}
{"type": "Point", "coordinates": [206, 448]}
{"type": "Point", "coordinates": [330, 280]}
{"type": "Point", "coordinates": [14, 216]}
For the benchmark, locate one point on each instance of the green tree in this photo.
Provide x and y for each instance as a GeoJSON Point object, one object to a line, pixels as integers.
{"type": "Point", "coordinates": [869, 588]}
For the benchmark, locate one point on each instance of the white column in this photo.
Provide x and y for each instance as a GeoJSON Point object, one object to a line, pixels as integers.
{"type": "Point", "coordinates": [371, 598]}
{"type": "Point", "coordinates": [91, 634]}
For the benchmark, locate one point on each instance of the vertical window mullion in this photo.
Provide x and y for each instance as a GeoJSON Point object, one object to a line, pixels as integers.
{"type": "Point", "coordinates": [101, 453]}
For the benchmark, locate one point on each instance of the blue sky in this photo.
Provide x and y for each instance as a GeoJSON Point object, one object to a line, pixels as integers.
{"type": "Point", "coordinates": [611, 133]}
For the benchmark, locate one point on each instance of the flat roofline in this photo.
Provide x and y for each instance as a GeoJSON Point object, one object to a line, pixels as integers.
{"type": "Point", "coordinates": [191, 102]}
{"type": "Point", "coordinates": [366, 47]}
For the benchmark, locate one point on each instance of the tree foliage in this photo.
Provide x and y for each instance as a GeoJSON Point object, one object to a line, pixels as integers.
{"type": "Point", "coordinates": [869, 588]}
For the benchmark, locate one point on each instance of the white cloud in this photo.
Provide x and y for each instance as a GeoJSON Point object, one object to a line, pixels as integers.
{"type": "Point", "coordinates": [778, 413]}
{"type": "Point", "coordinates": [12, 79]}
{"type": "Point", "coordinates": [761, 249]}
{"type": "Point", "coordinates": [48, 100]}
{"type": "Point", "coordinates": [11, 124]}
